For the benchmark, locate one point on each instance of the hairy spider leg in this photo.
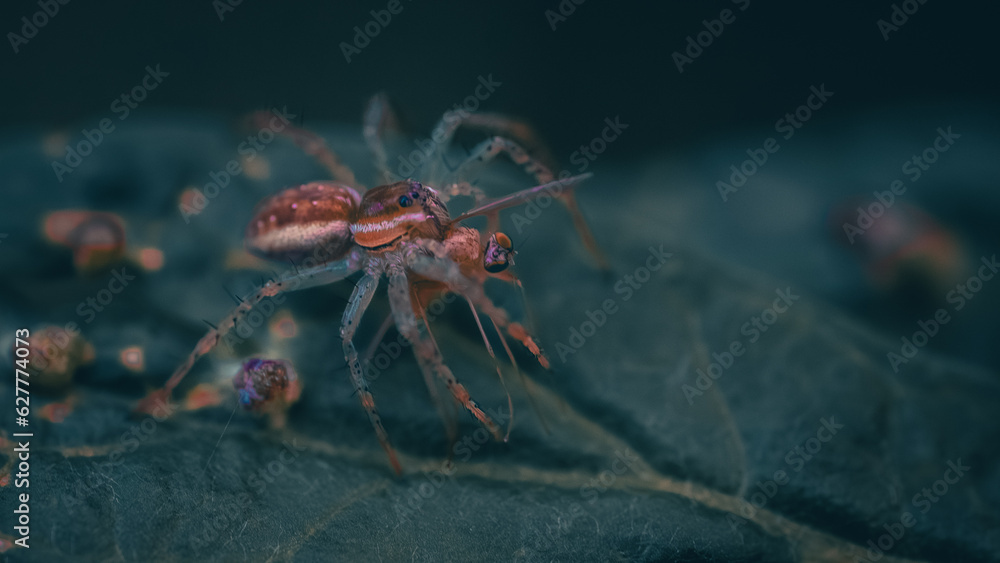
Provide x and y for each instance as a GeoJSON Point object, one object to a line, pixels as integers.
{"type": "Point", "coordinates": [378, 118]}
{"type": "Point", "coordinates": [313, 145]}
{"type": "Point", "coordinates": [447, 418]}
{"type": "Point", "coordinates": [487, 150]}
{"type": "Point", "coordinates": [445, 410]}
{"type": "Point", "coordinates": [289, 281]}
{"type": "Point", "coordinates": [496, 123]}
{"type": "Point", "coordinates": [360, 298]}
{"type": "Point", "coordinates": [456, 189]}
{"type": "Point", "coordinates": [462, 188]}
{"type": "Point", "coordinates": [445, 130]}
{"type": "Point", "coordinates": [447, 272]}
{"type": "Point", "coordinates": [524, 133]}
{"type": "Point", "coordinates": [426, 351]}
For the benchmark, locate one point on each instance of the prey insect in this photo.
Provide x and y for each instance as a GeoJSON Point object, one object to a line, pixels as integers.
{"type": "Point", "coordinates": [400, 230]}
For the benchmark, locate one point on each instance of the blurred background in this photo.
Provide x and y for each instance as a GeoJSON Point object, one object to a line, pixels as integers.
{"type": "Point", "coordinates": [844, 150]}
{"type": "Point", "coordinates": [692, 111]}
{"type": "Point", "coordinates": [556, 70]}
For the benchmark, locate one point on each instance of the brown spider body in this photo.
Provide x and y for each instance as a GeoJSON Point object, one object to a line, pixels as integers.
{"type": "Point", "coordinates": [401, 231]}
{"type": "Point", "coordinates": [293, 222]}
{"type": "Point", "coordinates": [296, 220]}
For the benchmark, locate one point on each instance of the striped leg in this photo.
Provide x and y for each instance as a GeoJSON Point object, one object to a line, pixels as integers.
{"type": "Point", "coordinates": [445, 271]}
{"type": "Point", "coordinates": [487, 150]}
{"type": "Point", "coordinates": [356, 306]}
{"type": "Point", "coordinates": [426, 351]}
{"type": "Point", "coordinates": [520, 131]}
{"type": "Point", "coordinates": [313, 145]}
{"type": "Point", "coordinates": [289, 281]}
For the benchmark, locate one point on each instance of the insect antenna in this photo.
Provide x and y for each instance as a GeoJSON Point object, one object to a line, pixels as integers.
{"type": "Point", "coordinates": [524, 380]}
{"type": "Point", "coordinates": [530, 319]}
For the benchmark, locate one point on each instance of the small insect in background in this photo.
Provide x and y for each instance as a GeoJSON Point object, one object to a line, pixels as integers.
{"type": "Point", "coordinates": [401, 230]}
{"type": "Point", "coordinates": [268, 387]}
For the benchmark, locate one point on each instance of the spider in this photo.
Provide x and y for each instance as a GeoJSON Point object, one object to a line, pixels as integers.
{"type": "Point", "coordinates": [401, 230]}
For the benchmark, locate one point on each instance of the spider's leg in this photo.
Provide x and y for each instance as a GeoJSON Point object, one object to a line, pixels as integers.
{"type": "Point", "coordinates": [426, 351]}
{"type": "Point", "coordinates": [513, 328]}
{"type": "Point", "coordinates": [356, 306]}
{"type": "Point", "coordinates": [541, 165]}
{"type": "Point", "coordinates": [455, 189]}
{"type": "Point", "coordinates": [447, 272]}
{"type": "Point", "coordinates": [448, 421]}
{"type": "Point", "coordinates": [462, 188]}
{"type": "Point", "coordinates": [313, 145]}
{"type": "Point", "coordinates": [379, 117]}
{"type": "Point", "coordinates": [494, 123]}
{"type": "Point", "coordinates": [289, 281]}
{"type": "Point", "coordinates": [487, 150]}
{"type": "Point", "coordinates": [445, 410]}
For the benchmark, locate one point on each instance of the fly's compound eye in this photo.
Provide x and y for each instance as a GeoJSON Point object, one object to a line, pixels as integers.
{"type": "Point", "coordinates": [405, 201]}
{"type": "Point", "coordinates": [499, 253]}
{"type": "Point", "coordinates": [504, 241]}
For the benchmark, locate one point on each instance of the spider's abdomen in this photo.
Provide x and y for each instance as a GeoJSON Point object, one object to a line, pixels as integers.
{"type": "Point", "coordinates": [298, 222]}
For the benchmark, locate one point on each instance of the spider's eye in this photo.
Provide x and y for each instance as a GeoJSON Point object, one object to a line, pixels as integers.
{"type": "Point", "coordinates": [405, 201]}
